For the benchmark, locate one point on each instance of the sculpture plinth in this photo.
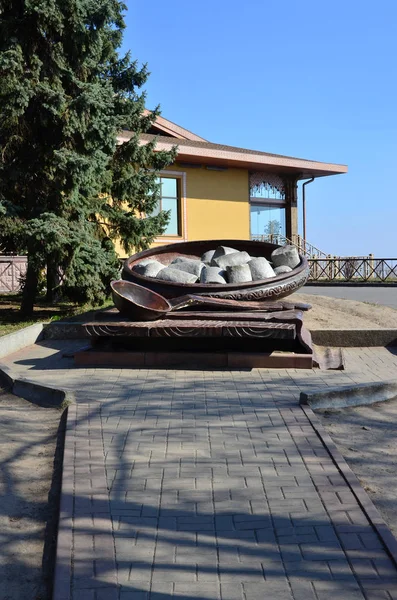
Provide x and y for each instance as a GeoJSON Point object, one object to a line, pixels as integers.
{"type": "Point", "coordinates": [200, 340]}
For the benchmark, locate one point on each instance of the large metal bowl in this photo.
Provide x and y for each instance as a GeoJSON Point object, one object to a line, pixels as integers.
{"type": "Point", "coordinates": [272, 288]}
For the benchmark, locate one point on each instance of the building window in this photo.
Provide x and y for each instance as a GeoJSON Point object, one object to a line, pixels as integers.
{"type": "Point", "coordinates": [170, 200]}
{"type": "Point", "coordinates": [267, 220]}
{"type": "Point", "coordinates": [267, 210]}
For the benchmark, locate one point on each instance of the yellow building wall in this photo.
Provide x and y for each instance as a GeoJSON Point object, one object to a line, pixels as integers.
{"type": "Point", "coordinates": [214, 205]}
{"type": "Point", "coordinates": [217, 204]}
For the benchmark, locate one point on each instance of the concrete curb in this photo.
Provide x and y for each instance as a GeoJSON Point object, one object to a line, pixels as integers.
{"type": "Point", "coordinates": [365, 502]}
{"type": "Point", "coordinates": [64, 550]}
{"type": "Point", "coordinates": [34, 392]}
{"type": "Point", "coordinates": [350, 338]}
{"type": "Point", "coordinates": [26, 388]}
{"type": "Point", "coordinates": [353, 284]}
{"type": "Point", "coordinates": [350, 395]}
{"type": "Point", "coordinates": [19, 339]}
{"type": "Point", "coordinates": [72, 330]}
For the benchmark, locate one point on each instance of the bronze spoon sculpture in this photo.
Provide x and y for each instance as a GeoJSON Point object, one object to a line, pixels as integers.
{"type": "Point", "coordinates": [141, 304]}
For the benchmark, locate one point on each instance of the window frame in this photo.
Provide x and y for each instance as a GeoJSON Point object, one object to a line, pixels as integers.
{"type": "Point", "coordinates": [267, 199]}
{"type": "Point", "coordinates": [264, 203]}
{"type": "Point", "coordinates": [180, 177]}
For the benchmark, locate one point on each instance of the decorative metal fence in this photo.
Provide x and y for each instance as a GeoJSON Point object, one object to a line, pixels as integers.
{"type": "Point", "coordinates": [12, 271]}
{"type": "Point", "coordinates": [324, 267]}
{"type": "Point", "coordinates": [353, 268]}
{"type": "Point", "coordinates": [332, 269]}
{"type": "Point", "coordinates": [303, 245]}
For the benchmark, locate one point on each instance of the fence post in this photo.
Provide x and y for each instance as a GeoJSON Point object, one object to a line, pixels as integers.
{"type": "Point", "coordinates": [329, 266]}
{"type": "Point", "coordinates": [371, 265]}
{"type": "Point", "coordinates": [314, 268]}
{"type": "Point", "coordinates": [334, 270]}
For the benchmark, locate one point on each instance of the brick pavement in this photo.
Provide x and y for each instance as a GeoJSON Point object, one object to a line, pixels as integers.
{"type": "Point", "coordinates": [207, 485]}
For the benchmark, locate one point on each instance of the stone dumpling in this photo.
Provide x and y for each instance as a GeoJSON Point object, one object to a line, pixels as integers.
{"type": "Point", "coordinates": [260, 268]}
{"type": "Point", "coordinates": [181, 259]}
{"type": "Point", "coordinates": [212, 275]}
{"type": "Point", "coordinates": [239, 273]}
{"type": "Point", "coordinates": [282, 269]}
{"type": "Point", "coordinates": [176, 276]}
{"type": "Point", "coordinates": [148, 268]}
{"type": "Point", "coordinates": [207, 257]}
{"type": "Point", "coordinates": [221, 265]}
{"type": "Point", "coordinates": [286, 256]}
{"type": "Point", "coordinates": [190, 266]}
{"type": "Point", "coordinates": [221, 251]}
{"type": "Point", "coordinates": [231, 260]}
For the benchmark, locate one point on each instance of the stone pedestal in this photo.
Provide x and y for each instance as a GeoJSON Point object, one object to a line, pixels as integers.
{"type": "Point", "coordinates": [200, 340]}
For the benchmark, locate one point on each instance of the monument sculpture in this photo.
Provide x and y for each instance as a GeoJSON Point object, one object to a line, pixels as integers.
{"type": "Point", "coordinates": [205, 303]}
{"type": "Point", "coordinates": [232, 269]}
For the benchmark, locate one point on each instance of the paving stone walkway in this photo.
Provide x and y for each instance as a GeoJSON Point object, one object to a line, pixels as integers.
{"type": "Point", "coordinates": [207, 485]}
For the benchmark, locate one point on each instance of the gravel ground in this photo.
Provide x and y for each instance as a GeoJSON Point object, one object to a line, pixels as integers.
{"type": "Point", "coordinates": [30, 469]}
{"type": "Point", "coordinates": [377, 294]}
{"type": "Point", "coordinates": [366, 437]}
{"type": "Point", "coordinates": [335, 313]}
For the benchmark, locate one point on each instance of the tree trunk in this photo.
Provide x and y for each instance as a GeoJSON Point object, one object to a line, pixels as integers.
{"type": "Point", "coordinates": [30, 290]}
{"type": "Point", "coordinates": [53, 293]}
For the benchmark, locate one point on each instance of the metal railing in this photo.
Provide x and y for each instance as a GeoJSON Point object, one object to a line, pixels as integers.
{"type": "Point", "coordinates": [304, 247]}
{"type": "Point", "coordinates": [12, 271]}
{"type": "Point", "coordinates": [325, 267]}
{"type": "Point", "coordinates": [329, 268]}
{"type": "Point", "coordinates": [353, 268]}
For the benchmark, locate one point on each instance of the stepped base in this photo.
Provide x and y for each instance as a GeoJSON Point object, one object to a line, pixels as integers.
{"type": "Point", "coordinates": [194, 360]}
{"type": "Point", "coordinates": [200, 340]}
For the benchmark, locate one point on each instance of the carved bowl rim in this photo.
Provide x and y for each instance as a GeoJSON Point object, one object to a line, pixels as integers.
{"type": "Point", "coordinates": [199, 247]}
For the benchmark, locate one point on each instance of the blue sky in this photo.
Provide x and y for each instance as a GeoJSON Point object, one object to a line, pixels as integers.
{"type": "Point", "coordinates": [305, 78]}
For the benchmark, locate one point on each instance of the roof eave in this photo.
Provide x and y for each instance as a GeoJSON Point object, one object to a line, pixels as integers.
{"type": "Point", "coordinates": [303, 169]}
{"type": "Point", "coordinates": [174, 130]}
{"type": "Point", "coordinates": [237, 158]}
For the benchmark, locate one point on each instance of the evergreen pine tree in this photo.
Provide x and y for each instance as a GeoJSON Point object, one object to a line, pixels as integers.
{"type": "Point", "coordinates": [68, 190]}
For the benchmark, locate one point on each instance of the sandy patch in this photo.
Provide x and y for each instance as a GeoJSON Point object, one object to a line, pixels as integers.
{"type": "Point", "coordinates": [337, 313]}
{"type": "Point", "coordinates": [366, 437]}
{"type": "Point", "coordinates": [29, 495]}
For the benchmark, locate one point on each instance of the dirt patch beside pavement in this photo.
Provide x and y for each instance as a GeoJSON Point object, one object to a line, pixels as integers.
{"type": "Point", "coordinates": [366, 437]}
{"type": "Point", "coordinates": [31, 440]}
{"type": "Point", "coordinates": [337, 313]}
